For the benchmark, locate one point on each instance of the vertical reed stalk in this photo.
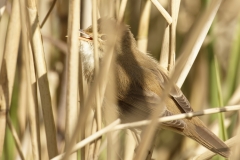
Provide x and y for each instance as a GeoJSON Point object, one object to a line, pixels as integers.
{"type": "Point", "coordinates": [96, 70]}
{"type": "Point", "coordinates": [143, 27]}
{"type": "Point", "coordinates": [72, 72]}
{"type": "Point", "coordinates": [174, 9]}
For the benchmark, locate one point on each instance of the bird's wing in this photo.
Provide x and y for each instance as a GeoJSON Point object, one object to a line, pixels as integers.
{"type": "Point", "coordinates": [175, 93]}
{"type": "Point", "coordinates": [141, 103]}
{"type": "Point", "coordinates": [175, 124]}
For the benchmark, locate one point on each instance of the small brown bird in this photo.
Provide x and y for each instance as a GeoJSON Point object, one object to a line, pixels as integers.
{"type": "Point", "coordinates": [140, 81]}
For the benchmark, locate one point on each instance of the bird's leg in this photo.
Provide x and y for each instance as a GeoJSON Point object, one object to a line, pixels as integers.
{"type": "Point", "coordinates": [150, 150]}
{"type": "Point", "coordinates": [137, 134]}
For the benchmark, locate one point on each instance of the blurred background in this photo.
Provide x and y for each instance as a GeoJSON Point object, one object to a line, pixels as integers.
{"type": "Point", "coordinates": [200, 87]}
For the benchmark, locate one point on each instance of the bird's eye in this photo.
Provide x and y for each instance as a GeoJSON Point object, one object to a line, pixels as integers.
{"type": "Point", "coordinates": [103, 37]}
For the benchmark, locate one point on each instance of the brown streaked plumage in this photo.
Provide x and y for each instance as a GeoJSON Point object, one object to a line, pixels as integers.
{"type": "Point", "coordinates": [140, 81]}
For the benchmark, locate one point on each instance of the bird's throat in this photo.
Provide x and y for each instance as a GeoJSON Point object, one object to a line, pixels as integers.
{"type": "Point", "coordinates": [86, 49]}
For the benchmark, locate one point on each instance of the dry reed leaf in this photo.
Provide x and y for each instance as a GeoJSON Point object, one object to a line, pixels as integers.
{"type": "Point", "coordinates": [41, 73]}
{"type": "Point", "coordinates": [32, 113]}
{"type": "Point", "coordinates": [8, 67]}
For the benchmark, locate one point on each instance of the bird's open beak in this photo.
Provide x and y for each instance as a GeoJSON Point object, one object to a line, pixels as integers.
{"type": "Point", "coordinates": [84, 36]}
{"type": "Point", "coordinates": [85, 39]}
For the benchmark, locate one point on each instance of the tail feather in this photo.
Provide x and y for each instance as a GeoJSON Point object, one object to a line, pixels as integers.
{"type": "Point", "coordinates": [205, 137]}
{"type": "Point", "coordinates": [196, 130]}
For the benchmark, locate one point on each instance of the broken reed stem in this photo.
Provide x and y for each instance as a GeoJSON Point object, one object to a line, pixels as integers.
{"type": "Point", "coordinates": [164, 13]}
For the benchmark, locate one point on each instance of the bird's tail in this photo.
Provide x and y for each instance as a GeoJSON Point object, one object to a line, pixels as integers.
{"type": "Point", "coordinates": [204, 136]}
